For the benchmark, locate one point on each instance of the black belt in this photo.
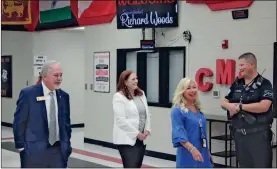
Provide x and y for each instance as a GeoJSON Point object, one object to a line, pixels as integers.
{"type": "Point", "coordinates": [56, 144]}
{"type": "Point", "coordinates": [252, 130]}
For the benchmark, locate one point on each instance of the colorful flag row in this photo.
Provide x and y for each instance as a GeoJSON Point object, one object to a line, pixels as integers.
{"type": "Point", "coordinates": [34, 12]}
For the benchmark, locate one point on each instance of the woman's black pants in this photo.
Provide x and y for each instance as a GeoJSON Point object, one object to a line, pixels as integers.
{"type": "Point", "coordinates": [132, 156]}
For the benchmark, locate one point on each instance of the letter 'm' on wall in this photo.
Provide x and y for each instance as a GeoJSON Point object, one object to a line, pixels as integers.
{"type": "Point", "coordinates": [225, 72]}
{"type": "Point", "coordinates": [199, 77]}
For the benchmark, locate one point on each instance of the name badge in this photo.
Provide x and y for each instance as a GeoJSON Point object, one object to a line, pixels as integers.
{"type": "Point", "coordinates": [204, 143]}
{"type": "Point", "coordinates": [41, 98]}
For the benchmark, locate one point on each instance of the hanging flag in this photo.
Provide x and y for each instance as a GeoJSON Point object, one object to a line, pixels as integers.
{"type": "Point", "coordinates": [82, 6]}
{"type": "Point", "coordinates": [16, 12]}
{"type": "Point", "coordinates": [228, 4]}
{"type": "Point", "coordinates": [54, 10]}
{"type": "Point", "coordinates": [35, 16]}
{"type": "Point", "coordinates": [196, 1]}
{"type": "Point", "coordinates": [217, 5]}
{"type": "Point", "coordinates": [92, 12]}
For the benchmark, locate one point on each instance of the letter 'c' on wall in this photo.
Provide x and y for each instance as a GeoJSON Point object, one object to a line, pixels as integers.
{"type": "Point", "coordinates": [199, 77]}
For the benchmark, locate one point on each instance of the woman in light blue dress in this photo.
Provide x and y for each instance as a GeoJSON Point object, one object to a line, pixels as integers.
{"type": "Point", "coordinates": [189, 134]}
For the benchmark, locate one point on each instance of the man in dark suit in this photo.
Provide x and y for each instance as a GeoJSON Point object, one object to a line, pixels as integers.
{"type": "Point", "coordinates": [41, 124]}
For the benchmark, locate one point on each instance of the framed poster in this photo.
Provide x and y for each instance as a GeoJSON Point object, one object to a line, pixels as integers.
{"type": "Point", "coordinates": [101, 66]}
{"type": "Point", "coordinates": [6, 76]}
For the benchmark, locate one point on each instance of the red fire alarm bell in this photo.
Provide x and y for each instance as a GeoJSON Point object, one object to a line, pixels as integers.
{"type": "Point", "coordinates": [224, 44]}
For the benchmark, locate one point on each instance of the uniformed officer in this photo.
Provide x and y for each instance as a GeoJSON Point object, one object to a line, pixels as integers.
{"type": "Point", "coordinates": [249, 105]}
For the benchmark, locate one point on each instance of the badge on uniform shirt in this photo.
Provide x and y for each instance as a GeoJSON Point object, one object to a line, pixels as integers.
{"type": "Point", "coordinates": [41, 98]}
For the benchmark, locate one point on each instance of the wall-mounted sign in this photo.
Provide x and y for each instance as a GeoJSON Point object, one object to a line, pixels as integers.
{"type": "Point", "coordinates": [240, 14]}
{"type": "Point", "coordinates": [147, 44]}
{"type": "Point", "coordinates": [6, 76]}
{"type": "Point", "coordinates": [38, 63]}
{"type": "Point", "coordinates": [101, 62]}
{"type": "Point", "coordinates": [146, 13]}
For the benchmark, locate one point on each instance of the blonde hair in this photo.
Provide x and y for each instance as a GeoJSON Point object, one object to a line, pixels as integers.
{"type": "Point", "coordinates": [179, 99]}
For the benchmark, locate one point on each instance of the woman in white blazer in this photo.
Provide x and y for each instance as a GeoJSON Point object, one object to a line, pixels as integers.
{"type": "Point", "coordinates": [131, 120]}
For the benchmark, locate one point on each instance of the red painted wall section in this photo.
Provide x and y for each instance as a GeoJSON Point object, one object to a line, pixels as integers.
{"type": "Point", "coordinates": [199, 77]}
{"type": "Point", "coordinates": [225, 72]}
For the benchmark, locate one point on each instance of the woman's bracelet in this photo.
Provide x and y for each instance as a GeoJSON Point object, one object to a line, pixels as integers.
{"type": "Point", "coordinates": [192, 149]}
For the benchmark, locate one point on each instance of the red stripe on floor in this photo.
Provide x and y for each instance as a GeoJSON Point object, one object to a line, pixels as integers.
{"type": "Point", "coordinates": [94, 155]}
{"type": "Point", "coordinates": [7, 138]}
{"type": "Point", "coordinates": [104, 157]}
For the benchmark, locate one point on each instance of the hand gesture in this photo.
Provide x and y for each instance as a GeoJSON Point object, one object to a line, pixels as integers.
{"type": "Point", "coordinates": [233, 108]}
{"type": "Point", "coordinates": [146, 133]}
{"type": "Point", "coordinates": [197, 155]}
{"type": "Point", "coordinates": [141, 136]}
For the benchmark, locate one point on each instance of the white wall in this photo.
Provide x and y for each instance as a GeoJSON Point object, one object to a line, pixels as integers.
{"type": "Point", "coordinates": [208, 29]}
{"type": "Point", "coordinates": [68, 49]}
{"type": "Point", "coordinates": [19, 45]}
{"type": "Point", "coordinates": [61, 45]}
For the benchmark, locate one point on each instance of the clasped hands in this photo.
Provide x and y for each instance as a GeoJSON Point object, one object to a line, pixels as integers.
{"type": "Point", "coordinates": [143, 136]}
{"type": "Point", "coordinates": [233, 108]}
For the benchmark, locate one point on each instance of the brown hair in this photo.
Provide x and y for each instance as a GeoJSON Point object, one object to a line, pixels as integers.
{"type": "Point", "coordinates": [121, 87]}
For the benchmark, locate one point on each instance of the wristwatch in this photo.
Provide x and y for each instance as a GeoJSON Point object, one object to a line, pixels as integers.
{"type": "Point", "coordinates": [240, 106]}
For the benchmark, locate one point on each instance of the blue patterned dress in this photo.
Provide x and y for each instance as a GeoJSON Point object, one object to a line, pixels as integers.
{"type": "Point", "coordinates": [186, 127]}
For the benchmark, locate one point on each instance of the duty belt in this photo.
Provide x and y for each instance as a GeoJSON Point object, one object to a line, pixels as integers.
{"type": "Point", "coordinates": [252, 130]}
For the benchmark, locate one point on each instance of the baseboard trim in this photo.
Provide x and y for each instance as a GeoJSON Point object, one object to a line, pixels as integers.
{"type": "Point", "coordinates": [80, 125]}
{"type": "Point", "coordinates": [5, 124]}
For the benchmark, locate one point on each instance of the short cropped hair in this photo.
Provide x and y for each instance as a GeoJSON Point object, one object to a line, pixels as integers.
{"type": "Point", "coordinates": [250, 57]}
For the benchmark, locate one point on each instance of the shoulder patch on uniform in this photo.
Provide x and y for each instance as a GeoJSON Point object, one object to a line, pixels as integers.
{"type": "Point", "coordinates": [268, 93]}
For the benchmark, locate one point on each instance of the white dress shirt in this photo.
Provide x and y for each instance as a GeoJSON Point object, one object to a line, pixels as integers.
{"type": "Point", "coordinates": [47, 96]}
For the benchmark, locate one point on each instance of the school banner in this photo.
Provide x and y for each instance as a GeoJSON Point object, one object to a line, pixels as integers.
{"type": "Point", "coordinates": [6, 76]}
{"type": "Point", "coordinates": [16, 12]}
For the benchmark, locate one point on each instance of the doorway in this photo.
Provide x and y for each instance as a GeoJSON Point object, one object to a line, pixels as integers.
{"type": "Point", "coordinates": [158, 70]}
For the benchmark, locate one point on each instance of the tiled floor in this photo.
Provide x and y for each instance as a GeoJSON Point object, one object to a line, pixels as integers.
{"type": "Point", "coordinates": [84, 155]}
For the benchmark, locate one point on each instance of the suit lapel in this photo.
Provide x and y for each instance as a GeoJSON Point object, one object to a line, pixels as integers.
{"type": "Point", "coordinates": [43, 105]}
{"type": "Point", "coordinates": [59, 98]}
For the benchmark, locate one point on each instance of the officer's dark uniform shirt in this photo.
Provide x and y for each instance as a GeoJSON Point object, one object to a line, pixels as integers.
{"type": "Point", "coordinates": [252, 93]}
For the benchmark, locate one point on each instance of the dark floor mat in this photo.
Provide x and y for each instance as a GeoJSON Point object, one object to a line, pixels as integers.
{"type": "Point", "coordinates": [72, 162]}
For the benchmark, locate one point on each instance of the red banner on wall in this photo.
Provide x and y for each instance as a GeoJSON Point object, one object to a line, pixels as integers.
{"type": "Point", "coordinates": [16, 12]}
{"type": "Point", "coordinates": [217, 5]}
